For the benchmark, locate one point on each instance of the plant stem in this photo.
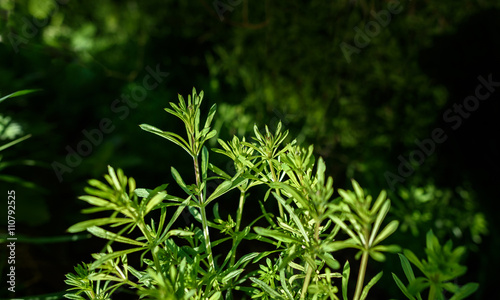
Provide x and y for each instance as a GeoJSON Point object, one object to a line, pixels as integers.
{"type": "Point", "coordinates": [154, 252]}
{"type": "Point", "coordinates": [275, 179]}
{"type": "Point", "coordinates": [239, 214]}
{"type": "Point", "coordinates": [204, 222]}
{"type": "Point", "coordinates": [206, 235]}
{"type": "Point", "coordinates": [432, 292]}
{"type": "Point", "coordinates": [306, 282]}
{"type": "Point", "coordinates": [361, 275]}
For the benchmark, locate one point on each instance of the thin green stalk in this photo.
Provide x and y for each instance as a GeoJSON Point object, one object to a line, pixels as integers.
{"type": "Point", "coordinates": [204, 222]}
{"type": "Point", "coordinates": [306, 282]}
{"type": "Point", "coordinates": [275, 179]}
{"type": "Point", "coordinates": [206, 234]}
{"type": "Point", "coordinates": [361, 275]}
{"type": "Point", "coordinates": [239, 214]}
{"type": "Point", "coordinates": [154, 252]}
{"type": "Point", "coordinates": [432, 292]}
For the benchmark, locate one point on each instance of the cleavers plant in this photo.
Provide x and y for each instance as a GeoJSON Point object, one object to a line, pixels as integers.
{"type": "Point", "coordinates": [302, 237]}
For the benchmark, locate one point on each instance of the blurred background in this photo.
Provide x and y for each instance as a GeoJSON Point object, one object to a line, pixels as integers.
{"type": "Point", "coordinates": [366, 82]}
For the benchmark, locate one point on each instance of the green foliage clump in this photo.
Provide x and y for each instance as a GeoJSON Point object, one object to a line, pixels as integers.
{"type": "Point", "coordinates": [441, 267]}
{"type": "Point", "coordinates": [304, 238]}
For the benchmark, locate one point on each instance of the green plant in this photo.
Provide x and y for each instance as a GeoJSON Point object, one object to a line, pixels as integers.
{"type": "Point", "coordinates": [300, 242]}
{"type": "Point", "coordinates": [441, 267]}
{"type": "Point", "coordinates": [10, 130]}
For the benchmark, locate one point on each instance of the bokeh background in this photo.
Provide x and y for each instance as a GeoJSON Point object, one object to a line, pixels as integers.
{"type": "Point", "coordinates": [361, 80]}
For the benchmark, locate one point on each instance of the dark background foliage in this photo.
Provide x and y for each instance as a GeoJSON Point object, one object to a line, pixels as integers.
{"type": "Point", "coordinates": [261, 62]}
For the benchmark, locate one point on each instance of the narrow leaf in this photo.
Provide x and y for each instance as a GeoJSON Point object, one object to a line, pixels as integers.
{"type": "Point", "coordinates": [180, 182]}
{"type": "Point", "coordinates": [173, 219]}
{"type": "Point", "coordinates": [413, 259]}
{"type": "Point", "coordinates": [407, 269]}
{"type": "Point", "coordinates": [211, 114]}
{"type": "Point", "coordinates": [465, 291]}
{"type": "Point", "coordinates": [16, 141]}
{"type": "Point", "coordinates": [378, 221]}
{"type": "Point", "coordinates": [357, 188]}
{"type": "Point", "coordinates": [370, 284]}
{"type": "Point", "coordinates": [157, 199]}
{"type": "Point", "coordinates": [204, 163]}
{"type": "Point", "coordinates": [225, 187]}
{"type": "Point", "coordinates": [216, 296]}
{"type": "Point", "coordinates": [280, 236]}
{"type": "Point", "coordinates": [19, 93]}
{"type": "Point", "coordinates": [81, 226]}
{"type": "Point", "coordinates": [266, 288]}
{"type": "Point", "coordinates": [95, 200]}
{"type": "Point", "coordinates": [231, 275]}
{"type": "Point", "coordinates": [386, 232]}
{"type": "Point", "coordinates": [402, 287]}
{"type": "Point", "coordinates": [113, 255]}
{"type": "Point", "coordinates": [294, 217]}
{"type": "Point", "coordinates": [108, 235]}
{"type": "Point", "coordinates": [345, 279]}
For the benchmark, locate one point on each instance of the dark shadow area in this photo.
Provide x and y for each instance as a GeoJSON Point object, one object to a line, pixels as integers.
{"type": "Point", "coordinates": [461, 62]}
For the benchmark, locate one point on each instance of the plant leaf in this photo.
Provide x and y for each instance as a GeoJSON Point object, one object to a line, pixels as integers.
{"type": "Point", "coordinates": [157, 199]}
{"type": "Point", "coordinates": [402, 287]}
{"type": "Point", "coordinates": [81, 226]}
{"type": "Point", "coordinates": [413, 259]}
{"type": "Point", "coordinates": [378, 221]}
{"type": "Point", "coordinates": [280, 236]}
{"type": "Point", "coordinates": [174, 138]}
{"type": "Point", "coordinates": [370, 284]}
{"type": "Point", "coordinates": [108, 235]}
{"type": "Point", "coordinates": [180, 182]}
{"type": "Point", "coordinates": [12, 143]}
{"type": "Point", "coordinates": [339, 245]}
{"type": "Point", "coordinates": [266, 288]}
{"type": "Point", "coordinates": [204, 163]}
{"type": "Point", "coordinates": [225, 187]}
{"type": "Point", "coordinates": [465, 291]}
{"type": "Point", "coordinates": [19, 93]}
{"type": "Point", "coordinates": [417, 285]}
{"type": "Point", "coordinates": [386, 232]}
{"type": "Point", "coordinates": [211, 114]}
{"type": "Point", "coordinates": [345, 279]}
{"type": "Point", "coordinates": [113, 255]}
{"type": "Point", "coordinates": [294, 217]}
{"type": "Point", "coordinates": [231, 275]}
{"type": "Point", "coordinates": [95, 200]}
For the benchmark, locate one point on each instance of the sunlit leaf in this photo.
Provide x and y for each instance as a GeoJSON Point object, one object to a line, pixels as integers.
{"type": "Point", "coordinates": [108, 235]}
{"type": "Point", "coordinates": [266, 288]}
{"type": "Point", "coordinates": [113, 255]}
{"type": "Point", "coordinates": [19, 93]}
{"type": "Point", "coordinates": [386, 232]}
{"type": "Point", "coordinates": [282, 237]}
{"type": "Point", "coordinates": [345, 279]}
{"type": "Point", "coordinates": [180, 181]}
{"type": "Point", "coordinates": [81, 226]}
{"type": "Point", "coordinates": [370, 284]}
{"type": "Point", "coordinates": [157, 199]}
